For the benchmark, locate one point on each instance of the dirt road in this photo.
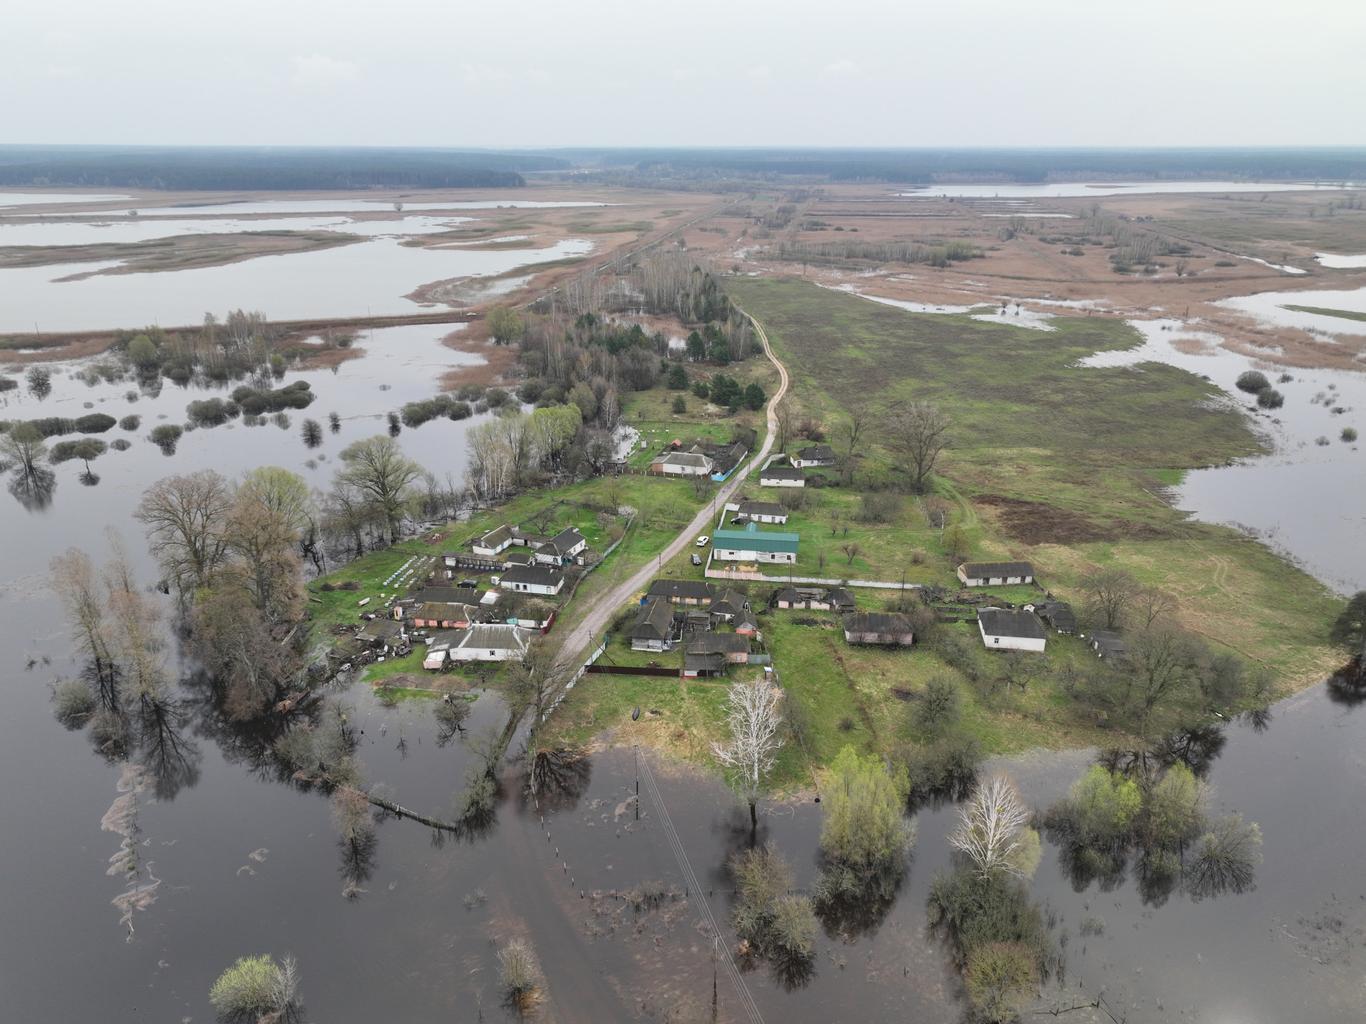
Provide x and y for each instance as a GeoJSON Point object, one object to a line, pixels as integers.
{"type": "Point", "coordinates": [594, 622]}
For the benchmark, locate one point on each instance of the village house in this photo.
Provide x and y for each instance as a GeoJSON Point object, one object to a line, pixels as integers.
{"type": "Point", "coordinates": [562, 548]}
{"type": "Point", "coordinates": [654, 628]}
{"type": "Point", "coordinates": [442, 615]}
{"type": "Point", "coordinates": [493, 543]}
{"type": "Point", "coordinates": [728, 604]}
{"type": "Point", "coordinates": [754, 545]}
{"type": "Point", "coordinates": [769, 512]}
{"type": "Point", "coordinates": [995, 574]}
{"type": "Point", "coordinates": [712, 653]}
{"type": "Point", "coordinates": [532, 579]}
{"type": "Point", "coordinates": [1011, 629]}
{"type": "Point", "coordinates": [490, 642]}
{"type": "Point", "coordinates": [382, 635]}
{"type": "Point", "coordinates": [815, 455]}
{"type": "Point", "coordinates": [781, 476]}
{"type": "Point", "coordinates": [681, 464]}
{"type": "Point", "coordinates": [814, 598]}
{"type": "Point", "coordinates": [724, 457]}
{"type": "Point", "coordinates": [746, 624]}
{"type": "Point", "coordinates": [687, 592]}
{"type": "Point", "coordinates": [1108, 644]}
{"type": "Point", "coordinates": [885, 628]}
{"type": "Point", "coordinates": [1057, 614]}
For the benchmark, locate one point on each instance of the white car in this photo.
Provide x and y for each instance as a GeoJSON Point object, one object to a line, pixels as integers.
{"type": "Point", "coordinates": [702, 541]}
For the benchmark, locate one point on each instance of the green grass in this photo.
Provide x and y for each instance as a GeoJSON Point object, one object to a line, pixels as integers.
{"type": "Point", "coordinates": [1054, 463]}
{"type": "Point", "coordinates": [1342, 314]}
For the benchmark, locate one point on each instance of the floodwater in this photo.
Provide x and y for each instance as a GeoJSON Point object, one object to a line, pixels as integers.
{"type": "Point", "coordinates": [72, 231]}
{"type": "Point", "coordinates": [1003, 312]}
{"type": "Point", "coordinates": [9, 199]}
{"type": "Point", "coordinates": [410, 203]}
{"type": "Point", "coordinates": [1271, 309]}
{"type": "Point", "coordinates": [1339, 261]}
{"type": "Point", "coordinates": [1073, 189]}
{"type": "Point", "coordinates": [367, 278]}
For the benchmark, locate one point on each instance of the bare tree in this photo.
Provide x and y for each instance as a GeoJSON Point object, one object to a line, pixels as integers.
{"type": "Point", "coordinates": [851, 551]}
{"type": "Point", "coordinates": [783, 415]}
{"type": "Point", "coordinates": [185, 518]}
{"type": "Point", "coordinates": [753, 717]}
{"type": "Point", "coordinates": [1109, 594]}
{"type": "Point", "coordinates": [847, 434]}
{"type": "Point", "coordinates": [75, 582]}
{"type": "Point", "coordinates": [991, 826]}
{"type": "Point", "coordinates": [1152, 604]}
{"type": "Point", "coordinates": [1162, 663]}
{"type": "Point", "coordinates": [918, 432]}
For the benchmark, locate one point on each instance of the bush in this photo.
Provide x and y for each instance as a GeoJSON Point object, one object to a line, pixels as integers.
{"type": "Point", "coordinates": [260, 401]}
{"type": "Point", "coordinates": [212, 412]}
{"type": "Point", "coordinates": [945, 769]}
{"type": "Point", "coordinates": [864, 834]}
{"type": "Point", "coordinates": [775, 924]}
{"type": "Point", "coordinates": [121, 444]}
{"type": "Point", "coordinates": [255, 986]}
{"type": "Point", "coordinates": [166, 435]}
{"type": "Point", "coordinates": [1253, 382]}
{"type": "Point", "coordinates": [1270, 399]}
{"type": "Point", "coordinates": [519, 973]}
{"type": "Point", "coordinates": [130, 422]}
{"type": "Point", "coordinates": [72, 701]}
{"type": "Point", "coordinates": [7, 384]}
{"type": "Point", "coordinates": [878, 507]}
{"type": "Point", "coordinates": [679, 405]}
{"type": "Point", "coordinates": [974, 911]}
{"type": "Point", "coordinates": [1349, 434]}
{"type": "Point", "coordinates": [94, 423]}
{"type": "Point", "coordinates": [940, 705]}
{"type": "Point", "coordinates": [86, 449]}
{"type": "Point", "coordinates": [414, 414]}
{"type": "Point", "coordinates": [1000, 977]}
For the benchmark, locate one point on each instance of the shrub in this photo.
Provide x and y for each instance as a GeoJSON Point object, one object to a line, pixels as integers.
{"type": "Point", "coordinates": [1349, 434]}
{"type": "Point", "coordinates": [72, 701]}
{"type": "Point", "coordinates": [864, 834]}
{"type": "Point", "coordinates": [775, 924]}
{"type": "Point", "coordinates": [259, 401]}
{"type": "Point", "coordinates": [212, 412]}
{"type": "Point", "coordinates": [940, 705]}
{"type": "Point", "coordinates": [1270, 399]}
{"type": "Point", "coordinates": [255, 986]}
{"type": "Point", "coordinates": [1226, 857]}
{"type": "Point", "coordinates": [1253, 381]}
{"type": "Point", "coordinates": [8, 384]}
{"type": "Point", "coordinates": [414, 414]}
{"type": "Point", "coordinates": [679, 405]}
{"type": "Point", "coordinates": [166, 435]}
{"type": "Point", "coordinates": [975, 910]}
{"type": "Point", "coordinates": [945, 769]}
{"type": "Point", "coordinates": [1000, 977]}
{"type": "Point", "coordinates": [879, 507]}
{"type": "Point", "coordinates": [130, 422]}
{"type": "Point", "coordinates": [86, 449]}
{"type": "Point", "coordinates": [121, 444]}
{"type": "Point", "coordinates": [94, 423]}
{"type": "Point", "coordinates": [519, 973]}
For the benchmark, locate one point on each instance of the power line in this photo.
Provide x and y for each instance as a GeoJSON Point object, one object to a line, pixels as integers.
{"type": "Point", "coordinates": [690, 879]}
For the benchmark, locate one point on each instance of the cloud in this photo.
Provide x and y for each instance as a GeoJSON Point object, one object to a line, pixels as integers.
{"type": "Point", "coordinates": [842, 69]}
{"type": "Point", "coordinates": [319, 72]}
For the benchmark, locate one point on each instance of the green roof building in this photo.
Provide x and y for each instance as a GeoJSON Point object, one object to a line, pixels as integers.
{"type": "Point", "coordinates": [754, 545]}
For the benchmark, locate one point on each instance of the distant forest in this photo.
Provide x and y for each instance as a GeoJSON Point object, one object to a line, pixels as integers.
{"type": "Point", "coordinates": [269, 168]}
{"type": "Point", "coordinates": [925, 166]}
{"type": "Point", "coordinates": [243, 168]}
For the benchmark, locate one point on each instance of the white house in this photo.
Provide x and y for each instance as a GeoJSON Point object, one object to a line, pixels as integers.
{"type": "Point", "coordinates": [1011, 630]}
{"type": "Point", "coordinates": [562, 548]}
{"type": "Point", "coordinates": [493, 543]}
{"type": "Point", "coordinates": [995, 574]}
{"type": "Point", "coordinates": [781, 476]}
{"type": "Point", "coordinates": [815, 455]}
{"type": "Point", "coordinates": [532, 579]}
{"type": "Point", "coordinates": [494, 642]}
{"type": "Point", "coordinates": [682, 464]}
{"type": "Point", "coordinates": [762, 512]}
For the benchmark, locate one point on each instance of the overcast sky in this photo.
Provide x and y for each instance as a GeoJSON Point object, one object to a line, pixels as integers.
{"type": "Point", "coordinates": [684, 72]}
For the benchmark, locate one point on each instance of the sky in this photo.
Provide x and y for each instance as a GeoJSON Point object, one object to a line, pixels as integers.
{"type": "Point", "coordinates": [684, 72]}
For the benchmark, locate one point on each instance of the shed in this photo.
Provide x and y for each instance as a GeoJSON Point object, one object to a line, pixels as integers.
{"type": "Point", "coordinates": [887, 628]}
{"type": "Point", "coordinates": [1011, 629]}
{"type": "Point", "coordinates": [995, 574]}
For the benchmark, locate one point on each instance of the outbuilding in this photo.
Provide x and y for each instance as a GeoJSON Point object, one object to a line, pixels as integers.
{"type": "Point", "coordinates": [1108, 645]}
{"type": "Point", "coordinates": [1011, 629]}
{"type": "Point", "coordinates": [493, 543]}
{"type": "Point", "coordinates": [769, 512]}
{"type": "Point", "coordinates": [781, 476]}
{"type": "Point", "coordinates": [888, 629]}
{"type": "Point", "coordinates": [533, 579]}
{"type": "Point", "coordinates": [561, 549]}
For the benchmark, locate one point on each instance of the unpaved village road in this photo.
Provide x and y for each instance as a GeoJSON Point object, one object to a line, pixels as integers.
{"type": "Point", "coordinates": [576, 642]}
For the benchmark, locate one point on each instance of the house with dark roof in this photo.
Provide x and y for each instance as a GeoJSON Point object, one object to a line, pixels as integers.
{"type": "Point", "coordinates": [493, 543]}
{"type": "Point", "coordinates": [1011, 629]}
{"type": "Point", "coordinates": [518, 556]}
{"type": "Point", "coordinates": [1108, 645]}
{"type": "Point", "coordinates": [382, 635]}
{"type": "Point", "coordinates": [754, 545]}
{"type": "Point", "coordinates": [689, 592]}
{"type": "Point", "coordinates": [724, 456]}
{"type": "Point", "coordinates": [769, 512]}
{"type": "Point", "coordinates": [443, 615]}
{"type": "Point", "coordinates": [654, 628]}
{"type": "Point", "coordinates": [746, 624]}
{"type": "Point", "coordinates": [815, 598]}
{"type": "Point", "coordinates": [695, 665]}
{"type": "Point", "coordinates": [781, 476]}
{"type": "Point", "coordinates": [727, 604]}
{"type": "Point", "coordinates": [532, 579]}
{"type": "Point", "coordinates": [730, 648]}
{"type": "Point", "coordinates": [889, 629]}
{"type": "Point", "coordinates": [450, 595]}
{"type": "Point", "coordinates": [562, 548]}
{"type": "Point", "coordinates": [995, 574]}
{"type": "Point", "coordinates": [1057, 614]}
{"type": "Point", "coordinates": [814, 455]}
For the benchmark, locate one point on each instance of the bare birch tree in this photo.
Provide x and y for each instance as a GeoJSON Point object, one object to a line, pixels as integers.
{"type": "Point", "coordinates": [753, 716]}
{"type": "Point", "coordinates": [992, 826]}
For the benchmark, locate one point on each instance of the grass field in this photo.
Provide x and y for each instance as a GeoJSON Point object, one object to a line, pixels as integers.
{"type": "Point", "coordinates": [1341, 314]}
{"type": "Point", "coordinates": [1057, 464]}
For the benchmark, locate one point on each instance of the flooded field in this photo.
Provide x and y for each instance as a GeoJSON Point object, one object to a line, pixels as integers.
{"type": "Point", "coordinates": [1077, 189]}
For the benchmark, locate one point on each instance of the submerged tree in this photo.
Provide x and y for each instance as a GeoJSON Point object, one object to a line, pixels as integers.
{"type": "Point", "coordinates": [519, 974]}
{"type": "Point", "coordinates": [771, 921]}
{"type": "Point", "coordinates": [377, 468]}
{"type": "Point", "coordinates": [186, 517]}
{"type": "Point", "coordinates": [1349, 630]}
{"type": "Point", "coordinates": [257, 987]}
{"type": "Point", "coordinates": [994, 832]}
{"type": "Point", "coordinates": [749, 756]}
